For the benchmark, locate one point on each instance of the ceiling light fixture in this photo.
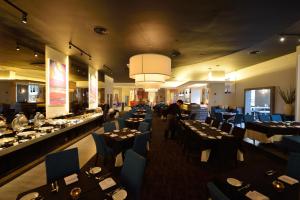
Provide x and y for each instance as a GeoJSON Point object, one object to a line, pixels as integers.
{"type": "Point", "coordinates": [284, 36]}
{"type": "Point", "coordinates": [100, 30]}
{"type": "Point", "coordinates": [282, 39]}
{"type": "Point", "coordinates": [150, 70]}
{"type": "Point", "coordinates": [18, 47]}
{"type": "Point", "coordinates": [255, 52]}
{"type": "Point", "coordinates": [36, 54]}
{"type": "Point", "coordinates": [24, 14]}
{"type": "Point", "coordinates": [79, 49]}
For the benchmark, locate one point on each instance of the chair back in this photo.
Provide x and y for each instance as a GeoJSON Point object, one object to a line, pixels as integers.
{"type": "Point", "coordinates": [109, 126]}
{"type": "Point", "coordinates": [121, 122]}
{"type": "Point", "coordinates": [143, 127]}
{"type": "Point", "coordinates": [226, 127]}
{"type": "Point", "coordinates": [101, 147]}
{"type": "Point", "coordinates": [61, 164]}
{"type": "Point", "coordinates": [215, 192]}
{"type": "Point", "coordinates": [238, 118]}
{"type": "Point", "coordinates": [264, 118]}
{"type": "Point", "coordinates": [248, 118]}
{"type": "Point", "coordinates": [293, 168]}
{"type": "Point", "coordinates": [208, 120]}
{"type": "Point", "coordinates": [149, 121]}
{"type": "Point", "coordinates": [140, 144]}
{"type": "Point", "coordinates": [276, 117]}
{"type": "Point", "coordinates": [132, 172]}
{"type": "Point", "coordinates": [216, 123]}
{"type": "Point", "coordinates": [238, 133]}
{"type": "Point", "coordinates": [126, 115]}
{"type": "Point", "coordinates": [219, 116]}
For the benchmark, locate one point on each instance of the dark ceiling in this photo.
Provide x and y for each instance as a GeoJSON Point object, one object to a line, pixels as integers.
{"type": "Point", "coordinates": [200, 30]}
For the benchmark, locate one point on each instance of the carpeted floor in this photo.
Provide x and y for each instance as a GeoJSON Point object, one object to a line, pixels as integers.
{"type": "Point", "coordinates": [170, 176]}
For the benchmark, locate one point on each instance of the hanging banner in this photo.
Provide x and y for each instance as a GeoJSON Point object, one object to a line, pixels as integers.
{"type": "Point", "coordinates": [57, 83]}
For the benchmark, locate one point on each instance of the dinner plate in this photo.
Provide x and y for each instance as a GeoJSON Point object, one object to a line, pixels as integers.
{"type": "Point", "coordinates": [95, 170]}
{"type": "Point", "coordinates": [107, 133]}
{"type": "Point", "coordinates": [133, 130]}
{"type": "Point", "coordinates": [234, 182]}
{"type": "Point", "coordinates": [30, 196]}
{"type": "Point", "coordinates": [213, 128]}
{"type": "Point", "coordinates": [116, 131]}
{"type": "Point", "coordinates": [120, 195]}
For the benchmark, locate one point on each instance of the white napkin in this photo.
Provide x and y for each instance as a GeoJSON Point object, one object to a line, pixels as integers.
{"type": "Point", "coordinates": [71, 179]}
{"type": "Point", "coordinates": [254, 195]}
{"type": "Point", "coordinates": [288, 180]}
{"type": "Point", "coordinates": [130, 135]}
{"type": "Point", "coordinates": [124, 137]}
{"type": "Point", "coordinates": [107, 133]}
{"type": "Point", "coordinates": [133, 130]}
{"type": "Point", "coordinates": [113, 135]}
{"type": "Point", "coordinates": [219, 137]}
{"type": "Point", "coordinates": [107, 183]}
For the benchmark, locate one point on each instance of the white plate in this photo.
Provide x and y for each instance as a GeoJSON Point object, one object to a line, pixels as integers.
{"type": "Point", "coordinates": [95, 170]}
{"type": "Point", "coordinates": [30, 196]}
{"type": "Point", "coordinates": [234, 182]}
{"type": "Point", "coordinates": [107, 133]}
{"type": "Point", "coordinates": [133, 130]}
{"type": "Point", "coordinates": [116, 131]}
{"type": "Point", "coordinates": [120, 195]}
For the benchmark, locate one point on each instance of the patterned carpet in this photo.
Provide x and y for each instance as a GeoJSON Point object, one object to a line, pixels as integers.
{"type": "Point", "coordinates": [169, 175]}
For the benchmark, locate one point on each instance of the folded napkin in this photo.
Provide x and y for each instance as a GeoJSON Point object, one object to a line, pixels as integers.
{"type": "Point", "coordinates": [254, 195]}
{"type": "Point", "coordinates": [219, 137]}
{"type": "Point", "coordinates": [133, 130]}
{"type": "Point", "coordinates": [124, 137]}
{"type": "Point", "coordinates": [107, 133]}
{"type": "Point", "coordinates": [71, 179]}
{"type": "Point", "coordinates": [130, 135]}
{"type": "Point", "coordinates": [113, 135]}
{"type": "Point", "coordinates": [288, 180]}
{"type": "Point", "coordinates": [107, 183]}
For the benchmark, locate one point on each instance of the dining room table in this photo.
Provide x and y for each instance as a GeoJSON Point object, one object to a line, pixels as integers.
{"type": "Point", "coordinates": [260, 182]}
{"type": "Point", "coordinates": [120, 140]}
{"type": "Point", "coordinates": [94, 182]}
{"type": "Point", "coordinates": [133, 122]}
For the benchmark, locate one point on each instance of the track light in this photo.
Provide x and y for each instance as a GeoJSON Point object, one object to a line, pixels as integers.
{"type": "Point", "coordinates": [18, 48]}
{"type": "Point", "coordinates": [81, 53]}
{"type": "Point", "coordinates": [36, 54]}
{"type": "Point", "coordinates": [80, 50]}
{"type": "Point", "coordinates": [70, 46]}
{"type": "Point", "coordinates": [282, 39]}
{"type": "Point", "coordinates": [24, 18]}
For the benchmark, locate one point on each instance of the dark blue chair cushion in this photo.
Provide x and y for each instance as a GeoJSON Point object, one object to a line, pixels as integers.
{"type": "Point", "coordinates": [215, 192]}
{"type": "Point", "coordinates": [140, 144]}
{"type": "Point", "coordinates": [264, 118]}
{"type": "Point", "coordinates": [143, 127]}
{"type": "Point", "coordinates": [132, 172]}
{"type": "Point", "coordinates": [293, 168]}
{"type": "Point", "coordinates": [277, 118]}
{"type": "Point", "coordinates": [109, 126]}
{"type": "Point", "coordinates": [61, 164]}
{"type": "Point", "coordinates": [291, 143]}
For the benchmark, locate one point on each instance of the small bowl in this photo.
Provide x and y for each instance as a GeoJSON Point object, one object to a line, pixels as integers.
{"type": "Point", "coordinates": [75, 193]}
{"type": "Point", "coordinates": [278, 185]}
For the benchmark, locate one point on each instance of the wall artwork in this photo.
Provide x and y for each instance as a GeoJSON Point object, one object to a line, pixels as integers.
{"type": "Point", "coordinates": [57, 83]}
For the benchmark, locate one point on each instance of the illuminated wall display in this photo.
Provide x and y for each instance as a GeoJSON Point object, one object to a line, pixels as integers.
{"type": "Point", "coordinates": [93, 88]}
{"type": "Point", "coordinates": [57, 83]}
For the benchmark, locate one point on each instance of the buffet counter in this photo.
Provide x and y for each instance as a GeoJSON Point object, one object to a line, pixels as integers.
{"type": "Point", "coordinates": [20, 148]}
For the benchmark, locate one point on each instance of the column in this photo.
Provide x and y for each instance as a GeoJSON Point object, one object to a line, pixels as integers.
{"type": "Point", "coordinates": [297, 102]}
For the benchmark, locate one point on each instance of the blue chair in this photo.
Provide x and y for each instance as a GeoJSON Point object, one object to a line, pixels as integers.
{"type": "Point", "coordinates": [109, 126]}
{"type": "Point", "coordinates": [143, 127]}
{"type": "Point", "coordinates": [149, 121]}
{"type": "Point", "coordinates": [276, 118]}
{"type": "Point", "coordinates": [294, 165]}
{"type": "Point", "coordinates": [121, 122]}
{"type": "Point", "coordinates": [238, 119]}
{"type": "Point", "coordinates": [215, 192]}
{"type": "Point", "coordinates": [140, 144]}
{"type": "Point", "coordinates": [264, 118]}
{"type": "Point", "coordinates": [61, 164]}
{"type": "Point", "coordinates": [101, 148]}
{"type": "Point", "coordinates": [127, 115]}
{"type": "Point", "coordinates": [219, 116]}
{"type": "Point", "coordinates": [248, 118]}
{"type": "Point", "coordinates": [132, 173]}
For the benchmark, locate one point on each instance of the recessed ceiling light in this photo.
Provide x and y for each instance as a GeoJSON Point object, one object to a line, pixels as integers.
{"type": "Point", "coordinates": [100, 30]}
{"type": "Point", "coordinates": [24, 18]}
{"type": "Point", "coordinates": [18, 48]}
{"type": "Point", "coordinates": [36, 54]}
{"type": "Point", "coordinates": [282, 39]}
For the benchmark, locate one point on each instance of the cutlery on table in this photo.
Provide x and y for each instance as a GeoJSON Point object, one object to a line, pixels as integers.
{"type": "Point", "coordinates": [114, 191]}
{"type": "Point", "coordinates": [102, 177]}
{"type": "Point", "coordinates": [244, 187]}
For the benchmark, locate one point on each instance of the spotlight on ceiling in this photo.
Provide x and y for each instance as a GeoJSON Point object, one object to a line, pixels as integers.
{"type": "Point", "coordinates": [24, 18]}
{"type": "Point", "coordinates": [18, 47]}
{"type": "Point", "coordinates": [100, 30]}
{"type": "Point", "coordinates": [255, 52]}
{"type": "Point", "coordinates": [36, 54]}
{"type": "Point", "coordinates": [70, 46]}
{"type": "Point", "coordinates": [282, 39]}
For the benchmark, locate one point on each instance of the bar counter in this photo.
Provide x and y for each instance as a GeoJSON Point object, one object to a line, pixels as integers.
{"type": "Point", "coordinates": [21, 154]}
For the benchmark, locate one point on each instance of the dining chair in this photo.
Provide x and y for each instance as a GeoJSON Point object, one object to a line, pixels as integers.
{"type": "Point", "coordinates": [239, 134]}
{"type": "Point", "coordinates": [248, 118]}
{"type": "Point", "coordinates": [226, 127]}
{"type": "Point", "coordinates": [101, 148]}
{"type": "Point", "coordinates": [208, 120]}
{"type": "Point", "coordinates": [143, 127]}
{"type": "Point", "coordinates": [121, 122]}
{"type": "Point", "coordinates": [61, 164]}
{"type": "Point", "coordinates": [238, 119]}
{"type": "Point", "coordinates": [215, 192]}
{"type": "Point", "coordinates": [276, 117]}
{"type": "Point", "coordinates": [264, 118]}
{"type": "Point", "coordinates": [126, 115]}
{"type": "Point", "coordinates": [294, 165]}
{"type": "Point", "coordinates": [109, 126]}
{"type": "Point", "coordinates": [140, 144]}
{"type": "Point", "coordinates": [132, 173]}
{"type": "Point", "coordinates": [149, 121]}
{"type": "Point", "coordinates": [215, 123]}
{"type": "Point", "coordinates": [219, 116]}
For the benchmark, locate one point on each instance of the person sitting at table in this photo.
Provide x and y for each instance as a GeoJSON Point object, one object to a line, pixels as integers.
{"type": "Point", "coordinates": [173, 113]}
